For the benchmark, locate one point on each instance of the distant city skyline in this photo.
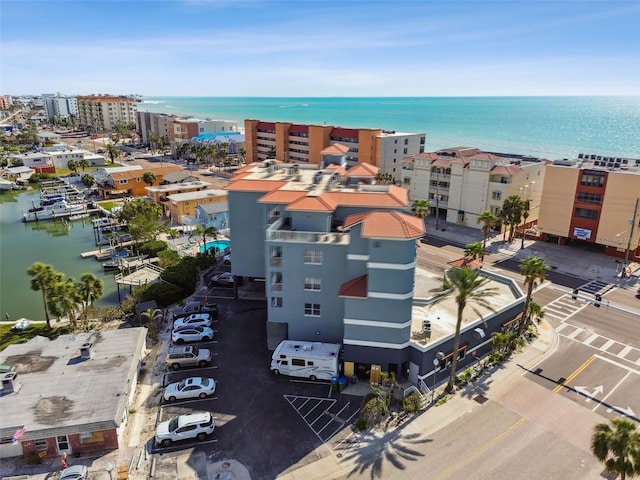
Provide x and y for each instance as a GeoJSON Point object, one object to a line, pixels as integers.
{"type": "Point", "coordinates": [326, 48]}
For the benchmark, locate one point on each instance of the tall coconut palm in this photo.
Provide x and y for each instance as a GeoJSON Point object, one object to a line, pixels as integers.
{"type": "Point", "coordinates": [534, 270]}
{"type": "Point", "coordinates": [204, 232]}
{"type": "Point", "coordinates": [44, 280]}
{"type": "Point", "coordinates": [535, 312]}
{"type": "Point", "coordinates": [64, 299]}
{"type": "Point", "coordinates": [91, 288]}
{"type": "Point", "coordinates": [617, 446]}
{"type": "Point", "coordinates": [513, 206]}
{"type": "Point", "coordinates": [468, 288]}
{"type": "Point", "coordinates": [113, 152]}
{"type": "Point", "coordinates": [420, 208]}
{"type": "Point", "coordinates": [488, 221]}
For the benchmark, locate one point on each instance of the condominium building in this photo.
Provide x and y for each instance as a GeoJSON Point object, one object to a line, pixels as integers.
{"type": "Point", "coordinates": [460, 183]}
{"type": "Point", "coordinates": [338, 255]}
{"type": "Point", "coordinates": [179, 129]}
{"type": "Point", "coordinates": [593, 199]}
{"type": "Point", "coordinates": [102, 112]}
{"type": "Point", "coordinates": [289, 142]}
{"type": "Point", "coordinates": [61, 107]}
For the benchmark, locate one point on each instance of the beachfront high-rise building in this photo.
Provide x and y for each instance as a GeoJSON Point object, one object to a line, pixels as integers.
{"type": "Point", "coordinates": [296, 143]}
{"type": "Point", "coordinates": [102, 112]}
{"type": "Point", "coordinates": [338, 255]}
{"type": "Point", "coordinates": [593, 199]}
{"type": "Point", "coordinates": [62, 107]}
{"type": "Point", "coordinates": [460, 183]}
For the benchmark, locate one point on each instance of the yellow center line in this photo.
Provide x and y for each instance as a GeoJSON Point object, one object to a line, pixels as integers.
{"type": "Point", "coordinates": [480, 449]}
{"type": "Point", "coordinates": [576, 372]}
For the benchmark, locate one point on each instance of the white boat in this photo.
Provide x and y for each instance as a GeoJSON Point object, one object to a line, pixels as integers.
{"type": "Point", "coordinates": [60, 209]}
{"type": "Point", "coordinates": [6, 184]}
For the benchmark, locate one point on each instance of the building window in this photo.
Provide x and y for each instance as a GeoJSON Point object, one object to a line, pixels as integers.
{"type": "Point", "coordinates": [313, 256]}
{"type": "Point", "coordinates": [405, 150]}
{"type": "Point", "coordinates": [406, 141]}
{"type": "Point", "coordinates": [276, 302]}
{"type": "Point", "coordinates": [594, 198]}
{"type": "Point", "coordinates": [312, 309]}
{"type": "Point", "coordinates": [496, 195]}
{"type": "Point", "coordinates": [592, 179]}
{"type": "Point", "coordinates": [586, 213]}
{"type": "Point", "coordinates": [92, 437]}
{"type": "Point", "coordinates": [40, 445]}
{"type": "Point", "coordinates": [311, 283]}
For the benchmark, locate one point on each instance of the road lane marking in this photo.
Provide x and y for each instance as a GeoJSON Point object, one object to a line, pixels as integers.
{"type": "Point", "coordinates": [607, 345]}
{"type": "Point", "coordinates": [575, 333]}
{"type": "Point", "coordinates": [575, 373]}
{"type": "Point", "coordinates": [591, 338]}
{"type": "Point", "coordinates": [624, 351]}
{"type": "Point", "coordinates": [481, 449]}
{"type": "Point", "coordinates": [604, 399]}
{"type": "Point", "coordinates": [613, 362]}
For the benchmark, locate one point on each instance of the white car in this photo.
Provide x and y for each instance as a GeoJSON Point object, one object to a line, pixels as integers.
{"type": "Point", "coordinates": [185, 427]}
{"type": "Point", "coordinates": [202, 319]}
{"type": "Point", "coordinates": [76, 472]}
{"type": "Point", "coordinates": [191, 334]}
{"type": "Point", "coordinates": [192, 387]}
{"type": "Point", "coordinates": [226, 260]}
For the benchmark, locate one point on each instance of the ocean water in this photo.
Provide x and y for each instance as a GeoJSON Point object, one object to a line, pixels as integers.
{"type": "Point", "coordinates": [549, 127]}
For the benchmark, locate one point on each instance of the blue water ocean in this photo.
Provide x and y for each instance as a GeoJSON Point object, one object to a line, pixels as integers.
{"type": "Point", "coordinates": [549, 127]}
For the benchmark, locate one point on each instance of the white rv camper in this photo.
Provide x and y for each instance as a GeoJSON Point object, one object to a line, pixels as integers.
{"type": "Point", "coordinates": [313, 360]}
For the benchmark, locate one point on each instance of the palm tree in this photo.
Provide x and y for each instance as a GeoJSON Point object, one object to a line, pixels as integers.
{"type": "Point", "coordinates": [468, 287]}
{"type": "Point", "coordinates": [204, 232]}
{"type": "Point", "coordinates": [618, 447]}
{"type": "Point", "coordinates": [64, 298]}
{"type": "Point", "coordinates": [534, 270]}
{"type": "Point", "coordinates": [84, 164]}
{"type": "Point", "coordinates": [91, 289]}
{"type": "Point", "coordinates": [149, 178]}
{"type": "Point", "coordinates": [535, 312]}
{"type": "Point", "coordinates": [488, 220]}
{"type": "Point", "coordinates": [113, 152]}
{"type": "Point", "coordinates": [44, 280]}
{"type": "Point", "coordinates": [420, 208]}
{"type": "Point", "coordinates": [73, 166]}
{"type": "Point", "coordinates": [473, 250]}
{"type": "Point", "coordinates": [513, 208]}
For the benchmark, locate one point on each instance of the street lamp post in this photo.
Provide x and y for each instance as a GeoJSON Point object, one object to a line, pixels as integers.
{"type": "Point", "coordinates": [436, 363]}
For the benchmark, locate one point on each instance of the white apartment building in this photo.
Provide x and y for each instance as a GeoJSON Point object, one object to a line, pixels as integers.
{"type": "Point", "coordinates": [61, 107]}
{"type": "Point", "coordinates": [103, 112]}
{"type": "Point", "coordinates": [460, 183]}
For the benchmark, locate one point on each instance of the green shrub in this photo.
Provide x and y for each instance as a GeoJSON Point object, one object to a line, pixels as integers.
{"type": "Point", "coordinates": [412, 403]}
{"type": "Point", "coordinates": [152, 248]}
{"type": "Point", "coordinates": [374, 409]}
{"type": "Point", "coordinates": [360, 425]}
{"type": "Point", "coordinates": [164, 294]}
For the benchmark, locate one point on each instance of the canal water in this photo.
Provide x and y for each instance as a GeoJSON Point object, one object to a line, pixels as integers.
{"type": "Point", "coordinates": [56, 242]}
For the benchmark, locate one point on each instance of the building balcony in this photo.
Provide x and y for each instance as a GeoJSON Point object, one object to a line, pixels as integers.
{"type": "Point", "coordinates": [276, 261]}
{"type": "Point", "coordinates": [276, 287]}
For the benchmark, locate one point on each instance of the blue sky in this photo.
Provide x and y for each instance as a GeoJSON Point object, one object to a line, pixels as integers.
{"type": "Point", "coordinates": [320, 48]}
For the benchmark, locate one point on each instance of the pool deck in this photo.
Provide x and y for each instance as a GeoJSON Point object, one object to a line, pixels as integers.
{"type": "Point", "coordinates": [186, 246]}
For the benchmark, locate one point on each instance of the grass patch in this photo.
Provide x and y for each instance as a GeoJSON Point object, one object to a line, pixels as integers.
{"type": "Point", "coordinates": [9, 337]}
{"type": "Point", "coordinates": [108, 205]}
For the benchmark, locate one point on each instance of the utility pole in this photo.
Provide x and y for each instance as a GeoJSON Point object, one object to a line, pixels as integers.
{"type": "Point", "coordinates": [633, 227]}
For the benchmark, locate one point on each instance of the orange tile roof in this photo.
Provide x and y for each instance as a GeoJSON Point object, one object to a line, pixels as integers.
{"type": "Point", "coordinates": [335, 149]}
{"type": "Point", "coordinates": [387, 224]}
{"type": "Point", "coordinates": [391, 199]}
{"type": "Point", "coordinates": [356, 287]}
{"type": "Point", "coordinates": [312, 203]}
{"type": "Point", "coordinates": [506, 169]}
{"type": "Point", "coordinates": [363, 170]}
{"type": "Point", "coordinates": [338, 168]}
{"type": "Point", "coordinates": [442, 162]}
{"type": "Point", "coordinates": [255, 185]}
{"type": "Point", "coordinates": [282, 196]}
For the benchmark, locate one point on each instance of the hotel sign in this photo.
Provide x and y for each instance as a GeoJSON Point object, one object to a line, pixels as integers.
{"type": "Point", "coordinates": [581, 233]}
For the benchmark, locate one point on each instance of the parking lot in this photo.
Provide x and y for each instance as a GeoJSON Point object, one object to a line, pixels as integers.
{"type": "Point", "coordinates": [264, 422]}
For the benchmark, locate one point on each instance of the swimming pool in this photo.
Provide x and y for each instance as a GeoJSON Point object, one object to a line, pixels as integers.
{"type": "Point", "coordinates": [221, 245]}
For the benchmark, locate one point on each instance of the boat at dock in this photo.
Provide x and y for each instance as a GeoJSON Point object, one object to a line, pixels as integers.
{"type": "Point", "coordinates": [61, 209]}
{"type": "Point", "coordinates": [112, 253]}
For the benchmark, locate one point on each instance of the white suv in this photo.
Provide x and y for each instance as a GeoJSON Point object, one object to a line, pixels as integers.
{"type": "Point", "coordinates": [185, 427]}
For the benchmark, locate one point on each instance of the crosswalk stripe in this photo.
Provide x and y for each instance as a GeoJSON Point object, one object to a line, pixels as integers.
{"type": "Point", "coordinates": [624, 351]}
{"type": "Point", "coordinates": [591, 338]}
{"type": "Point", "coordinates": [606, 346]}
{"type": "Point", "coordinates": [575, 333]}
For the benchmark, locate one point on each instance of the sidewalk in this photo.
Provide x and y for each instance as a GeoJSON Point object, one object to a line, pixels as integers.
{"type": "Point", "coordinates": [435, 417]}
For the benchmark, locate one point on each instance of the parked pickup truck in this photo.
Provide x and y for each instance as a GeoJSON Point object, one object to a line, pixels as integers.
{"type": "Point", "coordinates": [196, 307]}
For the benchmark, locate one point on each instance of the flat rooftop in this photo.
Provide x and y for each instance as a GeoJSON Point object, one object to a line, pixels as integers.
{"type": "Point", "coordinates": [57, 389]}
{"type": "Point", "coordinates": [443, 315]}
